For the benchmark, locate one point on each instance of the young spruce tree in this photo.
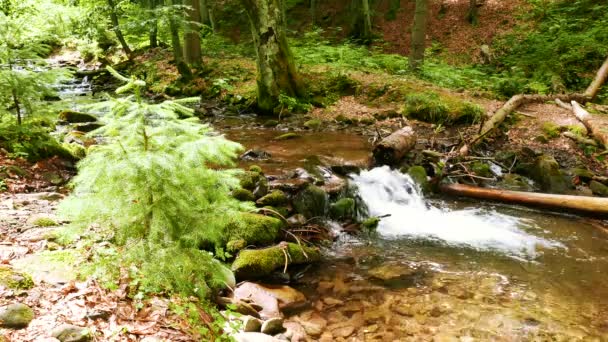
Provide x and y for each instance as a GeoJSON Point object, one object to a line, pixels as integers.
{"type": "Point", "coordinates": [158, 186]}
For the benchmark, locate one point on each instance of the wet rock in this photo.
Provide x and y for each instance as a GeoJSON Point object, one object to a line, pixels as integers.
{"type": "Point", "coordinates": [512, 181]}
{"type": "Point", "coordinates": [251, 324]}
{"type": "Point", "coordinates": [344, 208]}
{"type": "Point", "coordinates": [16, 316]}
{"type": "Point", "coordinates": [314, 326]}
{"type": "Point", "coordinates": [271, 123]}
{"type": "Point", "coordinates": [393, 272]}
{"type": "Point", "coordinates": [76, 117]}
{"type": "Point", "coordinates": [87, 127]}
{"type": "Point", "coordinates": [296, 330]}
{"type": "Point", "coordinates": [311, 202]}
{"type": "Point", "coordinates": [598, 188]}
{"type": "Point", "coordinates": [418, 174]}
{"type": "Point", "coordinates": [254, 337]}
{"type": "Point", "coordinates": [547, 173]}
{"type": "Point", "coordinates": [71, 333]}
{"type": "Point", "coordinates": [273, 326]}
{"type": "Point", "coordinates": [313, 124]}
{"type": "Point", "coordinates": [370, 224]}
{"type": "Point", "coordinates": [243, 195]}
{"type": "Point", "coordinates": [287, 136]}
{"type": "Point", "coordinates": [255, 229]}
{"type": "Point", "coordinates": [275, 198]}
{"type": "Point", "coordinates": [261, 188]}
{"type": "Point", "coordinates": [255, 155]}
{"type": "Point", "coordinates": [12, 279]}
{"type": "Point", "coordinates": [273, 299]}
{"type": "Point", "coordinates": [345, 169]}
{"type": "Point", "coordinates": [296, 220]}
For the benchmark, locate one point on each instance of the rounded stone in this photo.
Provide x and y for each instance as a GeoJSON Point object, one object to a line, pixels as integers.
{"type": "Point", "coordinates": [16, 316]}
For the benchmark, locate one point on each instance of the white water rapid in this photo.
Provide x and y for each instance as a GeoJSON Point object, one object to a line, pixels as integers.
{"type": "Point", "coordinates": [389, 192]}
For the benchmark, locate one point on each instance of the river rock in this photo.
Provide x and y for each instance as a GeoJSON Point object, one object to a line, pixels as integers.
{"type": "Point", "coordinates": [255, 155]}
{"type": "Point", "coordinates": [261, 262]}
{"type": "Point", "coordinates": [314, 325]}
{"type": "Point", "coordinates": [71, 333]}
{"type": "Point", "coordinates": [274, 299]}
{"type": "Point", "coordinates": [343, 209]}
{"type": "Point", "coordinates": [16, 316]}
{"type": "Point", "coordinates": [420, 177]}
{"type": "Point", "coordinates": [254, 337]}
{"type": "Point", "coordinates": [296, 220]}
{"type": "Point", "coordinates": [273, 326]}
{"type": "Point", "coordinates": [255, 229]}
{"type": "Point", "coordinates": [276, 198]}
{"type": "Point", "coordinates": [251, 324]}
{"type": "Point", "coordinates": [548, 175]}
{"type": "Point", "coordinates": [311, 202]}
{"type": "Point", "coordinates": [598, 188]}
{"type": "Point", "coordinates": [298, 334]}
{"type": "Point", "coordinates": [76, 117]}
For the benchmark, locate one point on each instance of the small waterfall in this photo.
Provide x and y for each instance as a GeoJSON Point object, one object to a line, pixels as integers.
{"type": "Point", "coordinates": [389, 192]}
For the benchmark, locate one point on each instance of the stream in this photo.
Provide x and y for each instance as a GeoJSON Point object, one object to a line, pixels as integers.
{"type": "Point", "coordinates": [439, 269]}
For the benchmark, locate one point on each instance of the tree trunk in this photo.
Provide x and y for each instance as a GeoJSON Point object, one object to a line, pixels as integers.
{"type": "Point", "coordinates": [599, 134]}
{"type": "Point", "coordinates": [17, 106]}
{"type": "Point", "coordinates": [515, 102]}
{"type": "Point", "coordinates": [117, 30]}
{"type": "Point", "coordinates": [473, 13]}
{"type": "Point", "coordinates": [276, 67]}
{"type": "Point", "coordinates": [594, 206]}
{"type": "Point", "coordinates": [206, 14]}
{"type": "Point", "coordinates": [393, 148]}
{"type": "Point", "coordinates": [599, 80]}
{"type": "Point", "coordinates": [153, 25]}
{"type": "Point", "coordinates": [192, 38]}
{"type": "Point", "coordinates": [394, 7]}
{"type": "Point", "coordinates": [176, 45]}
{"type": "Point", "coordinates": [361, 27]}
{"type": "Point", "coordinates": [313, 12]}
{"type": "Point", "coordinates": [419, 34]}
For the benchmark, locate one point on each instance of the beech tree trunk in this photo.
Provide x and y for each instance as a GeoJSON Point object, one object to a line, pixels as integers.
{"type": "Point", "coordinates": [192, 38]}
{"type": "Point", "coordinates": [117, 30]}
{"type": "Point", "coordinates": [594, 206]}
{"type": "Point", "coordinates": [390, 150]}
{"type": "Point", "coordinates": [206, 14]}
{"type": "Point", "coordinates": [599, 80]}
{"type": "Point", "coordinates": [419, 34]}
{"type": "Point", "coordinates": [361, 27]}
{"type": "Point", "coordinates": [276, 67]}
{"type": "Point", "coordinates": [599, 134]}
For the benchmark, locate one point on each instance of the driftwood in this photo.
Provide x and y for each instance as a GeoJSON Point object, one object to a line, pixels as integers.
{"type": "Point", "coordinates": [594, 206]}
{"type": "Point", "coordinates": [586, 119]}
{"type": "Point", "coordinates": [515, 102]}
{"type": "Point", "coordinates": [390, 150]}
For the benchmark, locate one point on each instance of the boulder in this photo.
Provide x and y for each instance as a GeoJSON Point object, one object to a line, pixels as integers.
{"type": "Point", "coordinates": [598, 188]}
{"type": "Point", "coordinates": [71, 333]}
{"type": "Point", "coordinates": [276, 198]}
{"type": "Point", "coordinates": [273, 326]}
{"type": "Point", "coordinates": [255, 229]}
{"type": "Point", "coordinates": [256, 263]}
{"type": "Point", "coordinates": [243, 195]}
{"type": "Point", "coordinates": [16, 316]}
{"type": "Point", "coordinates": [273, 299]}
{"type": "Point", "coordinates": [311, 202]}
{"type": "Point", "coordinates": [343, 209]}
{"type": "Point", "coordinates": [547, 173]}
{"type": "Point", "coordinates": [76, 117]}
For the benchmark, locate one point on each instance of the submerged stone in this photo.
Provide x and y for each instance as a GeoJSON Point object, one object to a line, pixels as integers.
{"type": "Point", "coordinates": [287, 136]}
{"type": "Point", "coordinates": [16, 316]}
{"type": "Point", "coordinates": [255, 263]}
{"type": "Point", "coordinates": [273, 326]}
{"type": "Point", "coordinates": [311, 202]}
{"type": "Point", "coordinates": [274, 300]}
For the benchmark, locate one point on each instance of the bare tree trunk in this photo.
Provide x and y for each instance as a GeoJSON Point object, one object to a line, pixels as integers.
{"type": "Point", "coordinates": [419, 34]}
{"type": "Point", "coordinates": [599, 80]}
{"type": "Point", "coordinates": [473, 13]}
{"type": "Point", "coordinates": [154, 25]}
{"type": "Point", "coordinates": [116, 24]}
{"type": "Point", "coordinates": [580, 204]}
{"type": "Point", "coordinates": [192, 38]}
{"type": "Point", "coordinates": [276, 67]}
{"type": "Point", "coordinates": [599, 134]}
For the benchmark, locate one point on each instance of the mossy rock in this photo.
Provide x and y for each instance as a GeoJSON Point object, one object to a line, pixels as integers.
{"type": "Point", "coordinates": [441, 109]}
{"type": "Point", "coordinates": [344, 120]}
{"type": "Point", "coordinates": [598, 188]}
{"type": "Point", "coordinates": [551, 130]}
{"type": "Point", "coordinates": [582, 173]}
{"type": "Point", "coordinates": [547, 173]}
{"type": "Point", "coordinates": [311, 202]}
{"type": "Point", "coordinates": [275, 198]}
{"type": "Point", "coordinates": [313, 124]}
{"type": "Point", "coordinates": [344, 208]}
{"type": "Point", "coordinates": [271, 123]}
{"type": "Point", "coordinates": [15, 280]}
{"type": "Point", "coordinates": [261, 187]}
{"type": "Point", "coordinates": [512, 181]}
{"type": "Point", "coordinates": [370, 224]}
{"type": "Point", "coordinates": [76, 117]}
{"type": "Point", "coordinates": [16, 316]}
{"type": "Point", "coordinates": [255, 263]}
{"type": "Point", "coordinates": [234, 246]}
{"type": "Point", "coordinates": [76, 150]}
{"type": "Point", "coordinates": [72, 333]}
{"type": "Point", "coordinates": [276, 211]}
{"type": "Point", "coordinates": [243, 195]}
{"type": "Point", "coordinates": [256, 168]}
{"type": "Point", "coordinates": [287, 136]}
{"type": "Point", "coordinates": [249, 180]}
{"type": "Point", "coordinates": [44, 222]}
{"type": "Point", "coordinates": [481, 169]}
{"type": "Point", "coordinates": [420, 177]}
{"type": "Point", "coordinates": [255, 229]}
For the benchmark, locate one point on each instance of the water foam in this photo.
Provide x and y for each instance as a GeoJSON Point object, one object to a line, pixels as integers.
{"type": "Point", "coordinates": [389, 192]}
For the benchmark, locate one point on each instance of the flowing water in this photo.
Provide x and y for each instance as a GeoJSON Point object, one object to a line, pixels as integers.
{"type": "Point", "coordinates": [442, 270]}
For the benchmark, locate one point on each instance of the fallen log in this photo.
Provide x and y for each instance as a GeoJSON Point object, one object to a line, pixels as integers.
{"type": "Point", "coordinates": [598, 81]}
{"type": "Point", "coordinates": [601, 136]}
{"type": "Point", "coordinates": [579, 139]}
{"type": "Point", "coordinates": [390, 150]}
{"type": "Point", "coordinates": [593, 206]}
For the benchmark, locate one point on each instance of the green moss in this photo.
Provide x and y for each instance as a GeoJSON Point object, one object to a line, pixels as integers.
{"type": "Point", "coordinates": [551, 130]}
{"type": "Point", "coordinates": [248, 180]}
{"type": "Point", "coordinates": [311, 202]}
{"type": "Point", "coordinates": [440, 109]}
{"type": "Point", "coordinates": [255, 168]}
{"type": "Point", "coordinates": [547, 173]}
{"type": "Point", "coordinates": [261, 262]}
{"type": "Point", "coordinates": [15, 280]}
{"type": "Point", "coordinates": [314, 124]}
{"type": "Point", "coordinates": [271, 123]}
{"type": "Point", "coordinates": [578, 130]}
{"type": "Point", "coordinates": [44, 222]}
{"type": "Point", "coordinates": [275, 198]}
{"type": "Point", "coordinates": [273, 211]}
{"type": "Point", "coordinates": [76, 117]}
{"type": "Point", "coordinates": [287, 136]}
{"type": "Point", "coordinates": [243, 195]}
{"type": "Point", "coordinates": [255, 229]}
{"type": "Point", "coordinates": [418, 174]}
{"type": "Point", "coordinates": [343, 119]}
{"type": "Point", "coordinates": [344, 208]}
{"type": "Point", "coordinates": [481, 169]}
{"type": "Point", "coordinates": [76, 150]}
{"type": "Point", "coordinates": [598, 188]}
{"type": "Point", "coordinates": [583, 174]}
{"type": "Point", "coordinates": [235, 245]}
{"type": "Point", "coordinates": [370, 224]}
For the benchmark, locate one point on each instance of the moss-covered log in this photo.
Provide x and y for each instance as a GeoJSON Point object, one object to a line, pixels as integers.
{"type": "Point", "coordinates": [393, 148]}
{"type": "Point", "coordinates": [254, 263]}
{"type": "Point", "coordinates": [276, 67]}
